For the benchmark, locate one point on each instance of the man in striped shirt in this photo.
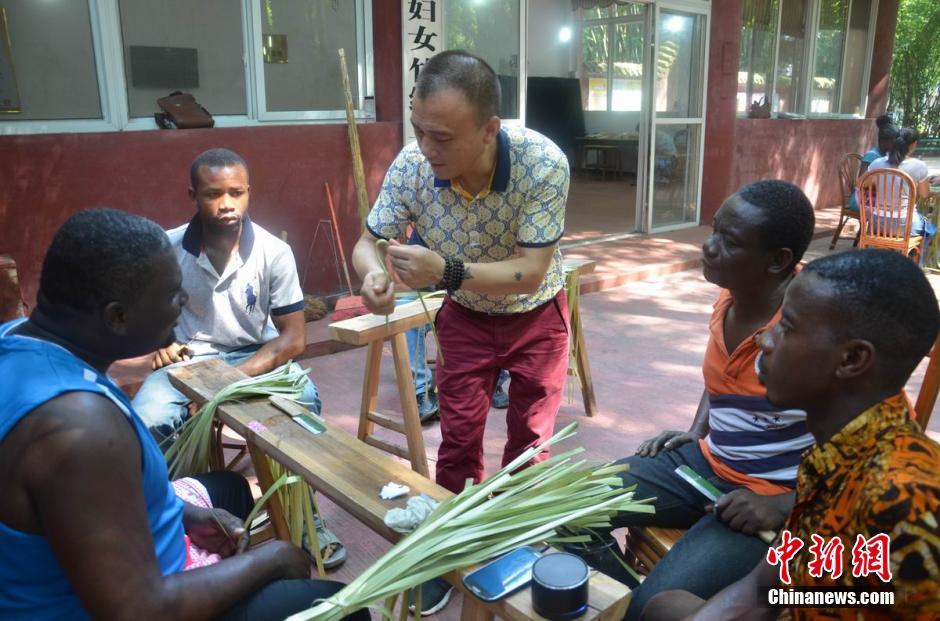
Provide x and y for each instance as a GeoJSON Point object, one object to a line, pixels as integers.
{"type": "Point", "coordinates": [738, 441]}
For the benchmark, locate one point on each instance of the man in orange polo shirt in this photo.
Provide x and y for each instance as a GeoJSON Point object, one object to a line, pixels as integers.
{"type": "Point", "coordinates": [744, 446]}
{"type": "Point", "coordinates": [853, 328]}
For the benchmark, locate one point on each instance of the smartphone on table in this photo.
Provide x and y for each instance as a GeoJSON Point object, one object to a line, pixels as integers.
{"type": "Point", "coordinates": [503, 575]}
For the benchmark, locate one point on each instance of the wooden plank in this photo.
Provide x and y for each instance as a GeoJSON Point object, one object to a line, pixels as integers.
{"type": "Point", "coordinates": [608, 600]}
{"type": "Point", "coordinates": [351, 473]}
{"type": "Point", "coordinates": [335, 463]}
{"type": "Point", "coordinates": [368, 328]}
{"type": "Point", "coordinates": [388, 422]}
{"type": "Point", "coordinates": [388, 447]}
{"type": "Point", "coordinates": [370, 389]}
{"type": "Point", "coordinates": [409, 405]}
{"type": "Point", "coordinates": [581, 266]}
{"type": "Point", "coordinates": [927, 397]}
{"type": "Point", "coordinates": [584, 369]}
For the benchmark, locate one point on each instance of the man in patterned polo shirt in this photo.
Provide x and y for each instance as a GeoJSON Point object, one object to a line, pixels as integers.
{"type": "Point", "coordinates": [853, 328]}
{"type": "Point", "coordinates": [489, 201]}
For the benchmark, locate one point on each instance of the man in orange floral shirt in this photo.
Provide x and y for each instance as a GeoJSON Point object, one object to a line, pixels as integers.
{"type": "Point", "coordinates": [853, 328]}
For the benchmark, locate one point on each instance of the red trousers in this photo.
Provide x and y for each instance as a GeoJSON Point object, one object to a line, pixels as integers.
{"type": "Point", "coordinates": [533, 347]}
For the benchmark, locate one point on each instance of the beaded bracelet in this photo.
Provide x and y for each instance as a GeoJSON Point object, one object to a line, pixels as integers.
{"type": "Point", "coordinates": [452, 278]}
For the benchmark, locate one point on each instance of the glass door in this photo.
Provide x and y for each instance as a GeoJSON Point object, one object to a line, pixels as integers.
{"type": "Point", "coordinates": [677, 115]}
{"type": "Point", "coordinates": [494, 31]}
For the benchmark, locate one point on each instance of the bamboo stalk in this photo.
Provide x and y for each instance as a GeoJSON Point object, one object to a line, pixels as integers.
{"type": "Point", "coordinates": [359, 175]}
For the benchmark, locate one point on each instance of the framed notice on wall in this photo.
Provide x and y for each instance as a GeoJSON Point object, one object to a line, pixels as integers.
{"type": "Point", "coordinates": [9, 94]}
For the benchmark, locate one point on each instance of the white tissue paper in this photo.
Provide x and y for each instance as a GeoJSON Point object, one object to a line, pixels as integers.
{"type": "Point", "coordinates": [415, 512]}
{"type": "Point", "coordinates": [394, 490]}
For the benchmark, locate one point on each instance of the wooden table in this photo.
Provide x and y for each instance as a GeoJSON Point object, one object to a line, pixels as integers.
{"type": "Point", "coordinates": [351, 473]}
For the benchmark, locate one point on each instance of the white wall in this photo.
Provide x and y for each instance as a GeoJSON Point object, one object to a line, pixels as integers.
{"type": "Point", "coordinates": [54, 60]}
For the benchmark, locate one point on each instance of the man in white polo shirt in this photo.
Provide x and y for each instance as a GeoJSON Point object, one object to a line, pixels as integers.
{"type": "Point", "coordinates": [246, 305]}
{"type": "Point", "coordinates": [245, 302]}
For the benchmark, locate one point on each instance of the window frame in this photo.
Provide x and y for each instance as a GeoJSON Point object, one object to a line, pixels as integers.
{"type": "Point", "coordinates": [610, 23]}
{"type": "Point", "coordinates": [108, 46]}
{"type": "Point", "coordinates": [804, 102]}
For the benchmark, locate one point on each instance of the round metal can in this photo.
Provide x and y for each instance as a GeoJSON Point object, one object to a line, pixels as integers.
{"type": "Point", "coordinates": [560, 586]}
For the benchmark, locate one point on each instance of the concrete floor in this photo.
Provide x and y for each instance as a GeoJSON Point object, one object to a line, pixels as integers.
{"type": "Point", "coordinates": [645, 340]}
{"type": "Point", "coordinates": [645, 313]}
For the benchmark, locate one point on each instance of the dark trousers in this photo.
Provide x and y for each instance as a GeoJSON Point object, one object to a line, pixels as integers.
{"type": "Point", "coordinates": [533, 347]}
{"type": "Point", "coordinates": [279, 599]}
{"type": "Point", "coordinates": [709, 557]}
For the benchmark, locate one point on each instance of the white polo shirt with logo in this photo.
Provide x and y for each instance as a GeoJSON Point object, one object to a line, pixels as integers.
{"type": "Point", "coordinates": [233, 310]}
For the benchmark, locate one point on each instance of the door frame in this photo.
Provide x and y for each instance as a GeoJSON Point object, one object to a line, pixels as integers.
{"type": "Point", "coordinates": [646, 185]}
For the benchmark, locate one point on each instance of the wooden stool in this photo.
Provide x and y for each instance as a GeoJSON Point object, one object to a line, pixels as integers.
{"type": "Point", "coordinates": [372, 330]}
{"type": "Point", "coordinates": [578, 366]}
{"type": "Point", "coordinates": [607, 158]}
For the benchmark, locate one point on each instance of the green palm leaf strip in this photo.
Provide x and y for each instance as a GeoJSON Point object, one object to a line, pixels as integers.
{"type": "Point", "coordinates": [190, 453]}
{"type": "Point", "coordinates": [517, 506]}
{"type": "Point", "coordinates": [381, 248]}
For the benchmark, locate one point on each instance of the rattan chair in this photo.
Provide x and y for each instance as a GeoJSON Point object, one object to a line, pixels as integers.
{"type": "Point", "coordinates": [848, 176]}
{"type": "Point", "coordinates": [884, 217]}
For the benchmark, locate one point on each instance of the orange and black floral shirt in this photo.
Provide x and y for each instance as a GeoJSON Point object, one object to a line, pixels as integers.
{"type": "Point", "coordinates": [879, 474]}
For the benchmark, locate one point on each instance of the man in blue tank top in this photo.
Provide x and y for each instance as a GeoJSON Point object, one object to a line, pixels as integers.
{"type": "Point", "coordinates": [90, 526]}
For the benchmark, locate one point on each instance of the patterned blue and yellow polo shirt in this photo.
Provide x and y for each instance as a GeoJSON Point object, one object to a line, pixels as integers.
{"type": "Point", "coordinates": [524, 206]}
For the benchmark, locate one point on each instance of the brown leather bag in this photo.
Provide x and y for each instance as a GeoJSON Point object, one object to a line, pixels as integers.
{"type": "Point", "coordinates": [759, 109]}
{"type": "Point", "coordinates": [182, 111]}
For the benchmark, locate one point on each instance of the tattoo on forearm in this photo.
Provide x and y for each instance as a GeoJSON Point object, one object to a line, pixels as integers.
{"type": "Point", "coordinates": [466, 273]}
{"type": "Point", "coordinates": [518, 276]}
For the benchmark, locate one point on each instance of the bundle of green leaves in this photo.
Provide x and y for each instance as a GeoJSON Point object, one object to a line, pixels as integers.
{"type": "Point", "coordinates": [516, 506]}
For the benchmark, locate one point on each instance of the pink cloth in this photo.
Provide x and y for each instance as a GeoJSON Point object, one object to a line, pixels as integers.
{"type": "Point", "coordinates": [193, 492]}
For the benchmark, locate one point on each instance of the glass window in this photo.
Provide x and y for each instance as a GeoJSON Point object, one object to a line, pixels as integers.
{"type": "Point", "coordinates": [679, 83]}
{"type": "Point", "coordinates": [179, 45]}
{"type": "Point", "coordinates": [832, 82]}
{"type": "Point", "coordinates": [491, 31]}
{"type": "Point", "coordinates": [856, 48]}
{"type": "Point", "coordinates": [594, 60]}
{"type": "Point", "coordinates": [49, 71]}
{"type": "Point", "coordinates": [789, 74]}
{"type": "Point", "coordinates": [830, 41]}
{"type": "Point", "coordinates": [303, 72]}
{"type": "Point", "coordinates": [628, 67]}
{"type": "Point", "coordinates": [612, 50]}
{"type": "Point", "coordinates": [758, 45]}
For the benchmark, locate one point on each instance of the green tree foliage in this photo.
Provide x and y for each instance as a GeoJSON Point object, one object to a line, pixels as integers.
{"type": "Point", "coordinates": [915, 70]}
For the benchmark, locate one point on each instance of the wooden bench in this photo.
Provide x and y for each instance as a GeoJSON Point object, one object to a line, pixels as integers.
{"type": "Point", "coordinates": [351, 473]}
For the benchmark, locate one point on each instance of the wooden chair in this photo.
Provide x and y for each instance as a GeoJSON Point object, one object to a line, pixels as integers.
{"type": "Point", "coordinates": [848, 176]}
{"type": "Point", "coordinates": [927, 397]}
{"type": "Point", "coordinates": [884, 219]}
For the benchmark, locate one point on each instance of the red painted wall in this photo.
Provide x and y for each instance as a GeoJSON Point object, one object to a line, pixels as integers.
{"type": "Point", "coordinates": [46, 178]}
{"type": "Point", "coordinates": [723, 58]}
{"type": "Point", "coordinates": [805, 152]}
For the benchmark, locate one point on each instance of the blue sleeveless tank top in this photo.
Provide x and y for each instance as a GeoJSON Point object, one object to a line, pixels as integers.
{"type": "Point", "coordinates": [32, 583]}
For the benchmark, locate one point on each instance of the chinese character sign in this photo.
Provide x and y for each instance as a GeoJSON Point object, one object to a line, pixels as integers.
{"type": "Point", "coordinates": [869, 556]}
{"type": "Point", "coordinates": [422, 37]}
